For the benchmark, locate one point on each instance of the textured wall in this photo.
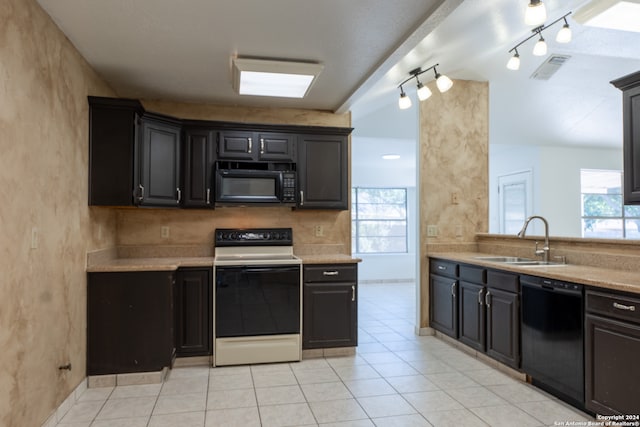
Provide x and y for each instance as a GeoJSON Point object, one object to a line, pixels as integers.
{"type": "Point", "coordinates": [454, 146]}
{"type": "Point", "coordinates": [43, 184]}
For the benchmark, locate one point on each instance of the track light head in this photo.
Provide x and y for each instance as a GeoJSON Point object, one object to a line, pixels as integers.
{"type": "Point", "coordinates": [514, 62]}
{"type": "Point", "coordinates": [540, 48]}
{"type": "Point", "coordinates": [564, 35]}
{"type": "Point", "coordinates": [443, 82]}
{"type": "Point", "coordinates": [423, 91]}
{"type": "Point", "coordinates": [404, 102]}
{"type": "Point", "coordinates": [536, 13]}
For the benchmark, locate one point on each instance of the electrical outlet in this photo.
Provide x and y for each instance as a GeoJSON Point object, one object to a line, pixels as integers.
{"type": "Point", "coordinates": [34, 237]}
{"type": "Point", "coordinates": [318, 230]}
{"type": "Point", "coordinates": [432, 230]}
{"type": "Point", "coordinates": [164, 232]}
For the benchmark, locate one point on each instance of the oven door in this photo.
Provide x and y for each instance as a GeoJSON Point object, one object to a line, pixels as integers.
{"type": "Point", "coordinates": [257, 300]}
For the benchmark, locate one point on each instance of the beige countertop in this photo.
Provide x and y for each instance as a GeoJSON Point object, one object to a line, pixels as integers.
{"type": "Point", "coordinates": [149, 264]}
{"type": "Point", "coordinates": [173, 263]}
{"type": "Point", "coordinates": [593, 276]}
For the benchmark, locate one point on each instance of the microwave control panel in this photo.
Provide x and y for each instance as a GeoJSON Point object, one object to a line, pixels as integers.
{"type": "Point", "coordinates": [289, 187]}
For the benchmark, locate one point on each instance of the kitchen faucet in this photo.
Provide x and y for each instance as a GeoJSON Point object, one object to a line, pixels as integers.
{"type": "Point", "coordinates": [545, 250]}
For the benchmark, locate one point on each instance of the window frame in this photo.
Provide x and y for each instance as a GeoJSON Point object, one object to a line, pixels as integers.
{"type": "Point", "coordinates": [355, 221]}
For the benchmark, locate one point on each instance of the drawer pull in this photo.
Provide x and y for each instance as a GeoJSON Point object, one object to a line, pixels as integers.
{"type": "Point", "coordinates": [353, 292]}
{"type": "Point", "coordinates": [442, 267]}
{"type": "Point", "coordinates": [624, 307]}
{"type": "Point", "coordinates": [330, 273]}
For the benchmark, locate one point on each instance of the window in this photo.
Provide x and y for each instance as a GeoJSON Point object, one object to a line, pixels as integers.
{"type": "Point", "coordinates": [379, 220]}
{"type": "Point", "coordinates": [603, 211]}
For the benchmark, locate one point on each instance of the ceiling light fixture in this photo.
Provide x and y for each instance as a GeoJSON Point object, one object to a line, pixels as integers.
{"type": "Point", "coordinates": [621, 15]}
{"type": "Point", "coordinates": [536, 13]}
{"type": "Point", "coordinates": [266, 77]}
{"type": "Point", "coordinates": [540, 48]}
{"type": "Point", "coordinates": [443, 83]}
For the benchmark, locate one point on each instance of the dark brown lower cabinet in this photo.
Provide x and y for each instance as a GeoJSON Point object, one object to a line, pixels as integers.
{"type": "Point", "coordinates": [612, 346]}
{"type": "Point", "coordinates": [330, 306]}
{"type": "Point", "coordinates": [129, 322]}
{"type": "Point", "coordinates": [503, 326]}
{"type": "Point", "coordinates": [193, 312]}
{"type": "Point", "coordinates": [472, 315]}
{"type": "Point", "coordinates": [443, 305]}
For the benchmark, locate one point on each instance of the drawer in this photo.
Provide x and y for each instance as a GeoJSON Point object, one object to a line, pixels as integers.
{"type": "Point", "coordinates": [473, 274]}
{"type": "Point", "coordinates": [502, 280]}
{"type": "Point", "coordinates": [443, 268]}
{"type": "Point", "coordinates": [612, 305]}
{"type": "Point", "coordinates": [331, 273]}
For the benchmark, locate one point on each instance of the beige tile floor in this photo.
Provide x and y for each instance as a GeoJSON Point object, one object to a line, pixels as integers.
{"type": "Point", "coordinates": [396, 379]}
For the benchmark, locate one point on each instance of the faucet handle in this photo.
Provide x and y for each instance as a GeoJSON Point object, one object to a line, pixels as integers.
{"type": "Point", "coordinates": [539, 252]}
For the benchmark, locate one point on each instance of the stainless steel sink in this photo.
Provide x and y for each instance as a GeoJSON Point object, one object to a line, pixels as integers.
{"type": "Point", "coordinates": [522, 262]}
{"type": "Point", "coordinates": [505, 259]}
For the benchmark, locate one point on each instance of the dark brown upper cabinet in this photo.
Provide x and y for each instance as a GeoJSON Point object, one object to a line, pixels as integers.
{"type": "Point", "coordinates": [323, 172]}
{"type": "Point", "coordinates": [630, 86]}
{"type": "Point", "coordinates": [199, 157]}
{"type": "Point", "coordinates": [159, 163]}
{"type": "Point", "coordinates": [113, 143]}
{"type": "Point", "coordinates": [256, 146]}
{"type": "Point", "coordinates": [134, 157]}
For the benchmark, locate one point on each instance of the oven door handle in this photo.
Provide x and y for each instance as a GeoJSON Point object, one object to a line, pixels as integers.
{"type": "Point", "coordinates": [269, 269]}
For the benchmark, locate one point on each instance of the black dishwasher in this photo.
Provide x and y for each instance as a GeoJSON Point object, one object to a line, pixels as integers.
{"type": "Point", "coordinates": [553, 336]}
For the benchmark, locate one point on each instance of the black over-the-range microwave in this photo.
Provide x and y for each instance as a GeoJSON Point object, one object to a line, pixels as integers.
{"type": "Point", "coordinates": [255, 186]}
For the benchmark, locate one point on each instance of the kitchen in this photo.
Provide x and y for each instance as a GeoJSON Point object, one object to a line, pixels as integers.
{"type": "Point", "coordinates": [44, 100]}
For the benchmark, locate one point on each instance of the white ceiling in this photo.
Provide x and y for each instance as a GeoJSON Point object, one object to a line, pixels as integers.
{"type": "Point", "coordinates": [182, 51]}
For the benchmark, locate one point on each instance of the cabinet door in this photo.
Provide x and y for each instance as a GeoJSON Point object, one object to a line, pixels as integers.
{"type": "Point", "coordinates": [276, 146]}
{"type": "Point", "coordinates": [330, 315]}
{"type": "Point", "coordinates": [159, 164]}
{"type": "Point", "coordinates": [199, 158]}
{"type": "Point", "coordinates": [129, 322]}
{"type": "Point", "coordinates": [193, 315]}
{"type": "Point", "coordinates": [631, 146]}
{"type": "Point", "coordinates": [471, 315]}
{"type": "Point", "coordinates": [443, 305]}
{"type": "Point", "coordinates": [611, 364]}
{"type": "Point", "coordinates": [503, 326]}
{"type": "Point", "coordinates": [113, 130]}
{"type": "Point", "coordinates": [323, 172]}
{"type": "Point", "coordinates": [236, 145]}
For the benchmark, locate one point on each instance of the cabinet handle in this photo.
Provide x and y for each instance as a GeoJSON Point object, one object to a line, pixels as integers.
{"type": "Point", "coordinates": [442, 267]}
{"type": "Point", "coordinates": [353, 292]}
{"type": "Point", "coordinates": [480, 297]}
{"type": "Point", "coordinates": [141, 196]}
{"type": "Point", "coordinates": [330, 273]}
{"type": "Point", "coordinates": [453, 289]}
{"type": "Point", "coordinates": [261, 145]}
{"type": "Point", "coordinates": [208, 196]}
{"type": "Point", "coordinates": [624, 307]}
{"type": "Point", "coordinates": [179, 195]}
{"type": "Point", "coordinates": [250, 145]}
{"type": "Point", "coordinates": [487, 301]}
{"type": "Point", "coordinates": [301, 198]}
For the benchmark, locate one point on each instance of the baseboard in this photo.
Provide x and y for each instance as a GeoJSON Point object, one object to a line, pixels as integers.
{"type": "Point", "coordinates": [424, 332]}
{"type": "Point", "coordinates": [58, 414]}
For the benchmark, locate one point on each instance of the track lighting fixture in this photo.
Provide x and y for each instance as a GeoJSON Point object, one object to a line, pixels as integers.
{"type": "Point", "coordinates": [540, 48]}
{"type": "Point", "coordinates": [536, 13]}
{"type": "Point", "coordinates": [443, 83]}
